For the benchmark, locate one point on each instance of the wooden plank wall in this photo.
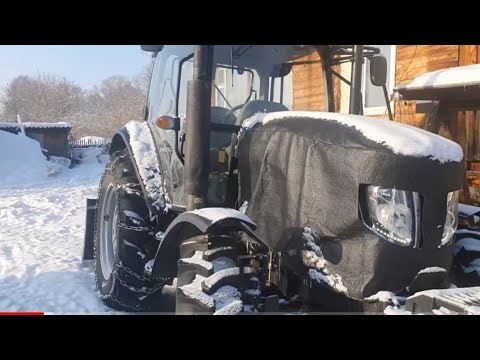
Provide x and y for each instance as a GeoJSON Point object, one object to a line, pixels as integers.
{"type": "Point", "coordinates": [413, 61]}
{"type": "Point", "coordinates": [308, 86]}
{"type": "Point", "coordinates": [468, 55]}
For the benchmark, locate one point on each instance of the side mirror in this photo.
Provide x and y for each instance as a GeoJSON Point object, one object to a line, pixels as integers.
{"type": "Point", "coordinates": [378, 70]}
{"type": "Point", "coordinates": [281, 70]}
{"type": "Point", "coordinates": [152, 48]}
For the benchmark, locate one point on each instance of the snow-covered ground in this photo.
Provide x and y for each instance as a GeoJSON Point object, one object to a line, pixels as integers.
{"type": "Point", "coordinates": [41, 242]}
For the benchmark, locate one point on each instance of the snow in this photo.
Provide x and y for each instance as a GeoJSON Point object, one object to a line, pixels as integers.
{"type": "Point", "coordinates": [145, 154]}
{"type": "Point", "coordinates": [211, 252]}
{"type": "Point", "coordinates": [384, 296]}
{"type": "Point", "coordinates": [193, 260]}
{"type": "Point", "coordinates": [217, 214]}
{"type": "Point", "coordinates": [314, 257]}
{"type": "Point", "coordinates": [194, 293]}
{"type": "Point", "coordinates": [468, 209]}
{"type": "Point", "coordinates": [32, 125]}
{"type": "Point", "coordinates": [468, 244]}
{"type": "Point", "coordinates": [244, 207]}
{"type": "Point", "coordinates": [460, 297]}
{"type": "Point", "coordinates": [473, 266]}
{"type": "Point", "coordinates": [41, 243]}
{"type": "Point", "coordinates": [222, 263]}
{"type": "Point", "coordinates": [21, 160]}
{"type": "Point", "coordinates": [253, 292]}
{"type": "Point", "coordinates": [400, 138]}
{"type": "Point", "coordinates": [473, 310]}
{"type": "Point", "coordinates": [392, 310]}
{"type": "Point", "coordinates": [217, 276]}
{"type": "Point", "coordinates": [334, 281]}
{"type": "Point", "coordinates": [457, 76]}
{"type": "Point", "coordinates": [433, 269]}
{"type": "Point", "coordinates": [225, 296]}
{"type": "Point", "coordinates": [134, 217]}
{"type": "Point", "coordinates": [232, 308]}
{"type": "Point", "coordinates": [89, 155]}
{"type": "Point", "coordinates": [309, 236]}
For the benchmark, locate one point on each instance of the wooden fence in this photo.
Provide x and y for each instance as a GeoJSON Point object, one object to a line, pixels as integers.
{"type": "Point", "coordinates": [85, 143]}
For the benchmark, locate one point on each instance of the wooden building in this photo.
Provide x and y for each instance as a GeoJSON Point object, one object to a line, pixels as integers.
{"type": "Point", "coordinates": [53, 137]}
{"type": "Point", "coordinates": [406, 62]}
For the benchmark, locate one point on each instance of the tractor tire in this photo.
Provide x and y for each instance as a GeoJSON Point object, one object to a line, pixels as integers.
{"type": "Point", "coordinates": [208, 280]}
{"type": "Point", "coordinates": [124, 239]}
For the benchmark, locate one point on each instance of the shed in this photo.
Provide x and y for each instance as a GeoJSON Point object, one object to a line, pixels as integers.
{"type": "Point", "coordinates": [52, 137]}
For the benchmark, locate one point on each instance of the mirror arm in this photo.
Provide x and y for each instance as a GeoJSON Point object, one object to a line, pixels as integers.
{"type": "Point", "coordinates": [178, 152]}
{"type": "Point", "coordinates": [340, 77]}
{"type": "Point", "coordinates": [387, 100]}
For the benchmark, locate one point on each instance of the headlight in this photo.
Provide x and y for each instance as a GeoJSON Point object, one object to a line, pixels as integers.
{"type": "Point", "coordinates": [393, 214]}
{"type": "Point", "coordinates": [451, 220]}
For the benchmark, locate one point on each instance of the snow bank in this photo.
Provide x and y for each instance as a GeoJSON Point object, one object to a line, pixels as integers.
{"type": "Point", "coordinates": [457, 76]}
{"type": "Point", "coordinates": [400, 138]}
{"type": "Point", "coordinates": [21, 159]}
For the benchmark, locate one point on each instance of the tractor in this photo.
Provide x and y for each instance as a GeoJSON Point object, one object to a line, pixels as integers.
{"type": "Point", "coordinates": [243, 206]}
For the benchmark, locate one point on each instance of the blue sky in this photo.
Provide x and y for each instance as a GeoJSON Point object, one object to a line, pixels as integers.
{"type": "Point", "coordinates": [86, 65]}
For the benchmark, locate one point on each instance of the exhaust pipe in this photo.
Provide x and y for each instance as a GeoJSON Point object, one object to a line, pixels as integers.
{"type": "Point", "coordinates": [198, 128]}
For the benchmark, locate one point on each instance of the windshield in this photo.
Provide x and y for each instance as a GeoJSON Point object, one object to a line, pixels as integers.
{"type": "Point", "coordinates": [242, 73]}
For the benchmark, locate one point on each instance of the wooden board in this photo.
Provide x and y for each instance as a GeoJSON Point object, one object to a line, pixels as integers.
{"type": "Point", "coordinates": [308, 85]}
{"type": "Point", "coordinates": [413, 61]}
{"type": "Point", "coordinates": [468, 55]}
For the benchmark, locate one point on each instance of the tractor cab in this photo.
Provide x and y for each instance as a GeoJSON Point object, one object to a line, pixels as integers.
{"type": "Point", "coordinates": [243, 80]}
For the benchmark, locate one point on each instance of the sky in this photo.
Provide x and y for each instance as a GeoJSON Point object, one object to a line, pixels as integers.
{"type": "Point", "coordinates": [86, 65]}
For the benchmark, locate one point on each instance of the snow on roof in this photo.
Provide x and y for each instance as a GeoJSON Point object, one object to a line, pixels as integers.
{"type": "Point", "coordinates": [452, 77]}
{"type": "Point", "coordinates": [34, 125]}
{"type": "Point", "coordinates": [402, 139]}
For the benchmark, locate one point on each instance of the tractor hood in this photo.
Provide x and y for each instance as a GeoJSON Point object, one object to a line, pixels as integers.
{"type": "Point", "coordinates": [308, 169]}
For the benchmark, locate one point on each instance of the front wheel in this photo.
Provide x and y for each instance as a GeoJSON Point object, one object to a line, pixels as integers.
{"type": "Point", "coordinates": [208, 280]}
{"type": "Point", "coordinates": [124, 239]}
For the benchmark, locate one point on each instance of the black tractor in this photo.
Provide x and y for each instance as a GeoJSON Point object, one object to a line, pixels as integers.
{"type": "Point", "coordinates": [245, 206]}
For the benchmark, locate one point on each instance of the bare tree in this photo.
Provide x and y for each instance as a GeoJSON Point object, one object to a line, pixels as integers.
{"type": "Point", "coordinates": [100, 111]}
{"type": "Point", "coordinates": [45, 97]}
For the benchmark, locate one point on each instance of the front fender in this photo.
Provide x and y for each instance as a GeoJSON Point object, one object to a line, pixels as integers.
{"type": "Point", "coordinates": [137, 138]}
{"type": "Point", "coordinates": [193, 223]}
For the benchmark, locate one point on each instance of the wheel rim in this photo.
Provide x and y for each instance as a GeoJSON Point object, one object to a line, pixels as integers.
{"type": "Point", "coordinates": [108, 231]}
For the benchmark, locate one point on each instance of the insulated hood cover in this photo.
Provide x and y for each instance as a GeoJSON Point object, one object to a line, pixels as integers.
{"type": "Point", "coordinates": [303, 169]}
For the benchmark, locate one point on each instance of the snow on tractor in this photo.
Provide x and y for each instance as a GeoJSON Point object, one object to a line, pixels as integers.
{"type": "Point", "coordinates": [245, 206]}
